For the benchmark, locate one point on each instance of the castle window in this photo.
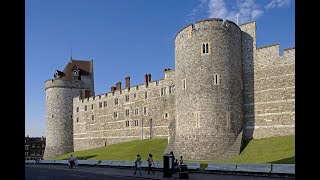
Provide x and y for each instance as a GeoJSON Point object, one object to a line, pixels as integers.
{"type": "Point", "coordinates": [52, 116]}
{"type": "Point", "coordinates": [127, 124]}
{"type": "Point", "coordinates": [166, 115]}
{"type": "Point", "coordinates": [127, 112]}
{"type": "Point", "coordinates": [216, 79]}
{"type": "Point", "coordinates": [100, 105]}
{"type": "Point", "coordinates": [115, 114]}
{"type": "Point", "coordinates": [77, 119]}
{"type": "Point", "coordinates": [26, 147]}
{"type": "Point", "coordinates": [184, 83]}
{"type": "Point", "coordinates": [136, 111]}
{"type": "Point", "coordinates": [71, 116]}
{"type": "Point", "coordinates": [92, 117]}
{"type": "Point", "coordinates": [145, 110]}
{"type": "Point", "coordinates": [134, 95]}
{"type": "Point", "coordinates": [171, 89]}
{"type": "Point", "coordinates": [163, 91]}
{"type": "Point", "coordinates": [105, 104]}
{"type": "Point", "coordinates": [85, 107]}
{"type": "Point", "coordinates": [116, 101]}
{"type": "Point", "coordinates": [196, 115]}
{"type": "Point", "coordinates": [205, 48]}
{"type": "Point", "coordinates": [127, 98]}
{"type": "Point", "coordinates": [136, 122]}
{"type": "Point", "coordinates": [146, 95]}
{"type": "Point", "coordinates": [26, 153]}
{"type": "Point", "coordinates": [77, 109]}
{"type": "Point", "coordinates": [91, 106]}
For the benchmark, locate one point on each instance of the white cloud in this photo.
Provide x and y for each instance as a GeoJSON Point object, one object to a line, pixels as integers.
{"type": "Point", "coordinates": [277, 4]}
{"type": "Point", "coordinates": [245, 10]}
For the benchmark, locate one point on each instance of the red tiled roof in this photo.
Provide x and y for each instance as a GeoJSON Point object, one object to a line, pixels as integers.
{"type": "Point", "coordinates": [85, 68]}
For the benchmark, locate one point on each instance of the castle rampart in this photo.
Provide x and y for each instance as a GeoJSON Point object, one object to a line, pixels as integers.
{"type": "Point", "coordinates": [269, 88]}
{"type": "Point", "coordinates": [222, 87]}
{"type": "Point", "coordinates": [115, 119]}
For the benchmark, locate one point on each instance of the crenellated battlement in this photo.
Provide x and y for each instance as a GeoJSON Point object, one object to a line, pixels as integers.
{"type": "Point", "coordinates": [168, 75]}
{"type": "Point", "coordinates": [58, 83]}
{"type": "Point", "coordinates": [222, 85]}
{"type": "Point", "coordinates": [270, 55]}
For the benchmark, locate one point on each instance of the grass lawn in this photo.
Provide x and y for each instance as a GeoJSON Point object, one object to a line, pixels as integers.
{"type": "Point", "coordinates": [123, 151]}
{"type": "Point", "coordinates": [276, 150]}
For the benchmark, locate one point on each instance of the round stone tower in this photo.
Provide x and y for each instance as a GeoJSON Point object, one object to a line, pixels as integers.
{"type": "Point", "coordinates": [209, 98]}
{"type": "Point", "coordinates": [75, 80]}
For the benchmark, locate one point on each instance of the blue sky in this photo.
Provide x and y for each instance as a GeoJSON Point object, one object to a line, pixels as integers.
{"type": "Point", "coordinates": [126, 37]}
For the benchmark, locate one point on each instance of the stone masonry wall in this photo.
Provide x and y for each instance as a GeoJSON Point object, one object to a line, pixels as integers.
{"type": "Point", "coordinates": [59, 126]}
{"type": "Point", "coordinates": [209, 97]}
{"type": "Point", "coordinates": [105, 129]}
{"type": "Point", "coordinates": [269, 87]}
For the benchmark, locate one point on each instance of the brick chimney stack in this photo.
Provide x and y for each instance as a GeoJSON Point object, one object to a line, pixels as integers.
{"type": "Point", "coordinates": [84, 93]}
{"type": "Point", "coordinates": [146, 82]}
{"type": "Point", "coordinates": [149, 77]}
{"type": "Point", "coordinates": [118, 86]}
{"type": "Point", "coordinates": [113, 89]}
{"type": "Point", "coordinates": [127, 82]}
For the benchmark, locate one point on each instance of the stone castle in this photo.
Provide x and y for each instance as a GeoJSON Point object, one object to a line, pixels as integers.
{"type": "Point", "coordinates": [223, 90]}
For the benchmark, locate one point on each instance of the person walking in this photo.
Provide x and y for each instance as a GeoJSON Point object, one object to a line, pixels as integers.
{"type": "Point", "coordinates": [138, 165]}
{"type": "Point", "coordinates": [71, 161]}
{"type": "Point", "coordinates": [150, 162]}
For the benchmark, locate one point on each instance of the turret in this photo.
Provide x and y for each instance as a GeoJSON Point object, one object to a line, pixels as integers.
{"type": "Point", "coordinates": [75, 80]}
{"type": "Point", "coordinates": [208, 92]}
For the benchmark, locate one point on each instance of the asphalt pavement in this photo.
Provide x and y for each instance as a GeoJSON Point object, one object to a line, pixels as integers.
{"type": "Point", "coordinates": [62, 172]}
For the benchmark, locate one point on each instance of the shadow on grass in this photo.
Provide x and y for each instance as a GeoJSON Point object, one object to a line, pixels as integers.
{"type": "Point", "coordinates": [290, 160]}
{"type": "Point", "coordinates": [82, 157]}
{"type": "Point", "coordinates": [244, 145]}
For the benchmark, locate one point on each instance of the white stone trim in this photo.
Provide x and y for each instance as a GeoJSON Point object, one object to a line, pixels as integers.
{"type": "Point", "coordinates": [268, 114]}
{"type": "Point", "coordinates": [269, 126]}
{"type": "Point", "coordinates": [290, 87]}
{"type": "Point", "coordinates": [270, 102]}
{"type": "Point", "coordinates": [80, 133]}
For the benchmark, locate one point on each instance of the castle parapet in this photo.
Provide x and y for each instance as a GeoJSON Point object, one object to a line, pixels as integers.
{"type": "Point", "coordinates": [58, 83]}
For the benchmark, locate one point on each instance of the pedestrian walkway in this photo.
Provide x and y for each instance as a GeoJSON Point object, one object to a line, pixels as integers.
{"type": "Point", "coordinates": [128, 172]}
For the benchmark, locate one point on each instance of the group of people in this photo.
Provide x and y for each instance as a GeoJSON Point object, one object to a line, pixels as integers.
{"type": "Point", "coordinates": [138, 164]}
{"type": "Point", "coordinates": [73, 162]}
{"type": "Point", "coordinates": [176, 162]}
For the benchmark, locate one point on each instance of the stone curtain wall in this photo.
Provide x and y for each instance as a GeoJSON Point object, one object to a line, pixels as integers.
{"type": "Point", "coordinates": [269, 87]}
{"type": "Point", "coordinates": [106, 130]}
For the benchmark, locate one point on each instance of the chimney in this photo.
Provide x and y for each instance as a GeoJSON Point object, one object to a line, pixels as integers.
{"type": "Point", "coordinates": [149, 77]}
{"type": "Point", "coordinates": [118, 86]}
{"type": "Point", "coordinates": [146, 82]}
{"type": "Point", "coordinates": [113, 89]}
{"type": "Point", "coordinates": [127, 82]}
{"type": "Point", "coordinates": [84, 93]}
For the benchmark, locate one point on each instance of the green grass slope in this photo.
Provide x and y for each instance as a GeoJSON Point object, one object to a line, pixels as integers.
{"type": "Point", "coordinates": [123, 151]}
{"type": "Point", "coordinates": [277, 150]}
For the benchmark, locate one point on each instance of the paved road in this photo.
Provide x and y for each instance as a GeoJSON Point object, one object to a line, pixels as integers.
{"type": "Point", "coordinates": [61, 172]}
{"type": "Point", "coordinates": [38, 173]}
